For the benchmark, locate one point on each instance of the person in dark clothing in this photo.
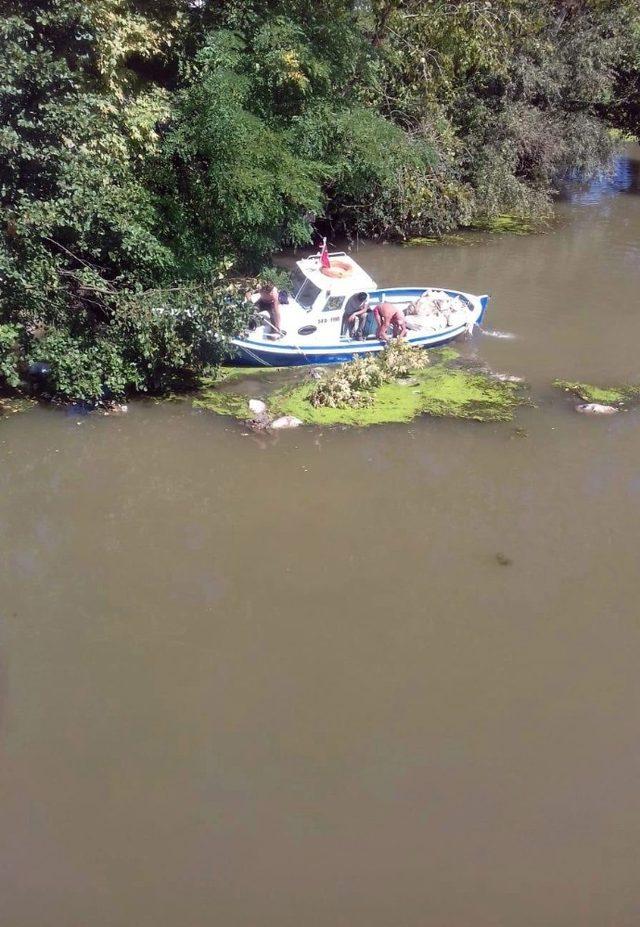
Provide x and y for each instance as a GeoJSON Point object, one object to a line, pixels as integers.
{"type": "Point", "coordinates": [355, 312]}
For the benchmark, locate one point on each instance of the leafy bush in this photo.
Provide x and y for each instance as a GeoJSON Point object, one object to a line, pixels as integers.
{"type": "Point", "coordinates": [277, 276]}
{"type": "Point", "coordinates": [351, 385]}
{"type": "Point", "coordinates": [78, 217]}
{"type": "Point", "coordinates": [171, 336]}
{"type": "Point", "coordinates": [9, 355]}
{"type": "Point", "coordinates": [83, 369]}
{"type": "Point", "coordinates": [155, 341]}
{"type": "Point", "coordinates": [400, 359]}
{"type": "Point", "coordinates": [338, 392]}
{"type": "Point", "coordinates": [365, 373]}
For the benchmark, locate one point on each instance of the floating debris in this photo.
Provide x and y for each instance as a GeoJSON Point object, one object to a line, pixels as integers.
{"type": "Point", "coordinates": [492, 333]}
{"type": "Point", "coordinates": [594, 408]}
{"type": "Point", "coordinates": [223, 402]}
{"type": "Point", "coordinates": [286, 421]}
{"type": "Point", "coordinates": [442, 389]}
{"type": "Point", "coordinates": [12, 405]}
{"type": "Point", "coordinates": [114, 408]}
{"type": "Point", "coordinates": [508, 378]}
{"type": "Point", "coordinates": [261, 422]}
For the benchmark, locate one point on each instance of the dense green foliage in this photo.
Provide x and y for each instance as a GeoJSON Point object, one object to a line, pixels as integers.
{"type": "Point", "coordinates": [351, 385]}
{"type": "Point", "coordinates": [148, 150]}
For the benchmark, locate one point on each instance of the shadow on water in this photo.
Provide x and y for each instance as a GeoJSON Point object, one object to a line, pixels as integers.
{"type": "Point", "coordinates": [623, 178]}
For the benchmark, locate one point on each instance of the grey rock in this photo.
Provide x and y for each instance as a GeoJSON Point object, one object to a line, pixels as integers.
{"type": "Point", "coordinates": [257, 406]}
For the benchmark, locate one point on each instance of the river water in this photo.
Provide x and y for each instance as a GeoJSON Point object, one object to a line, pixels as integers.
{"type": "Point", "coordinates": [339, 678]}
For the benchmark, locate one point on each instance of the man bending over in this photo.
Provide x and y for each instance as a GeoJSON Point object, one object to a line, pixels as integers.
{"type": "Point", "coordinates": [386, 314]}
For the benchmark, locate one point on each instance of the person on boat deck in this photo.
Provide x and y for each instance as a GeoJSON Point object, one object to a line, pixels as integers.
{"type": "Point", "coordinates": [387, 314]}
{"type": "Point", "coordinates": [269, 299]}
{"type": "Point", "coordinates": [354, 315]}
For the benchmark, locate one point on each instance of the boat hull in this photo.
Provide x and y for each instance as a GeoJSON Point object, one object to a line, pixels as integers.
{"type": "Point", "coordinates": [254, 353]}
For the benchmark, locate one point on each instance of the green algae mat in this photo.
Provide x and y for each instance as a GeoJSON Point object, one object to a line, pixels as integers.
{"type": "Point", "coordinates": [618, 396]}
{"type": "Point", "coordinates": [504, 224]}
{"type": "Point", "coordinates": [437, 391]}
{"type": "Point", "coordinates": [445, 388]}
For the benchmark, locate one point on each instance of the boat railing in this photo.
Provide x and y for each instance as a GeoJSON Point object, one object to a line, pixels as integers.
{"type": "Point", "coordinates": [330, 254]}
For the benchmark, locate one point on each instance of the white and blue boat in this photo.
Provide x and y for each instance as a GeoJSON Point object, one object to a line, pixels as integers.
{"type": "Point", "coordinates": [312, 321]}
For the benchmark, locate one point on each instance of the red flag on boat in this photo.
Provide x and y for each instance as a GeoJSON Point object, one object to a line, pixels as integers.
{"type": "Point", "coordinates": [324, 255]}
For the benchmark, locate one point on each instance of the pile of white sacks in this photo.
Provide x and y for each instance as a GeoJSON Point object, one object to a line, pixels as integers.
{"type": "Point", "coordinates": [435, 310]}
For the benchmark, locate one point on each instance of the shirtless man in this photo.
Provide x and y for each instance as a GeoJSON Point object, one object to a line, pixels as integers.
{"type": "Point", "coordinates": [269, 299]}
{"type": "Point", "coordinates": [386, 314]}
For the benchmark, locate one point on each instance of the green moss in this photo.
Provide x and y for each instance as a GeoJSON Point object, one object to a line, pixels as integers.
{"type": "Point", "coordinates": [432, 241]}
{"type": "Point", "coordinates": [391, 403]}
{"type": "Point", "coordinates": [438, 391]}
{"type": "Point", "coordinates": [507, 224]}
{"type": "Point", "coordinates": [460, 393]}
{"type": "Point", "coordinates": [232, 374]}
{"type": "Point", "coordinates": [224, 403]}
{"type": "Point", "coordinates": [621, 135]}
{"type": "Point", "coordinates": [443, 389]}
{"type": "Point", "coordinates": [443, 355]}
{"type": "Point", "coordinates": [223, 391]}
{"type": "Point", "coordinates": [606, 396]}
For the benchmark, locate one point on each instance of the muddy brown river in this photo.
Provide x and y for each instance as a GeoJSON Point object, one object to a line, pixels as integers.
{"type": "Point", "coordinates": [378, 678]}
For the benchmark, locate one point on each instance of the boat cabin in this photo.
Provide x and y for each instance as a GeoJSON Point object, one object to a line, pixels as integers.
{"type": "Point", "coordinates": [327, 290]}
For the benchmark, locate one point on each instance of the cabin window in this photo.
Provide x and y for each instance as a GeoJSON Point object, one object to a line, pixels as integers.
{"type": "Point", "coordinates": [334, 304]}
{"type": "Point", "coordinates": [307, 294]}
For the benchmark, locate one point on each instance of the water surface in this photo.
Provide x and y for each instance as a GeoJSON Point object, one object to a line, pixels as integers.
{"type": "Point", "coordinates": [338, 678]}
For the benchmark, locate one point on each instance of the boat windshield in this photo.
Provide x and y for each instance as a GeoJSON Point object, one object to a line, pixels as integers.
{"type": "Point", "coordinates": [307, 291]}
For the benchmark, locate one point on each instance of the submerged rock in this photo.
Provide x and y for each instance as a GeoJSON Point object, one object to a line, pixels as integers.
{"type": "Point", "coordinates": [595, 408]}
{"type": "Point", "coordinates": [286, 421]}
{"type": "Point", "coordinates": [260, 422]}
